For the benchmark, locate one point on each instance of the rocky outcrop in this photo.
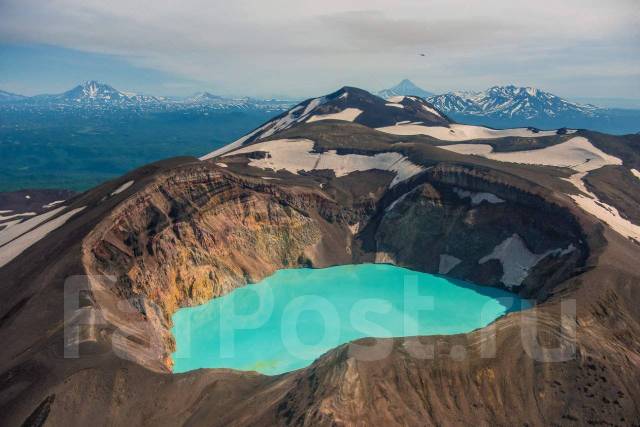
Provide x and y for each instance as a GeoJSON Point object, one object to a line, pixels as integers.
{"type": "Point", "coordinates": [496, 234]}
{"type": "Point", "coordinates": [194, 236]}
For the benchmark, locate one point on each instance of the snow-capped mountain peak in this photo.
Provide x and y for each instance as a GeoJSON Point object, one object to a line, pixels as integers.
{"type": "Point", "coordinates": [92, 93]}
{"type": "Point", "coordinates": [203, 97]}
{"type": "Point", "coordinates": [348, 104]}
{"type": "Point", "coordinates": [509, 102]}
{"type": "Point", "coordinates": [92, 90]}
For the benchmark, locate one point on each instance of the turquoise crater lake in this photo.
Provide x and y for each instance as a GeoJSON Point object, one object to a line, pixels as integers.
{"type": "Point", "coordinates": [289, 319]}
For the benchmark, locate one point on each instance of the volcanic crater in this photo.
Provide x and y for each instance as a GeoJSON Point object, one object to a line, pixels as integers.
{"type": "Point", "coordinates": [316, 193]}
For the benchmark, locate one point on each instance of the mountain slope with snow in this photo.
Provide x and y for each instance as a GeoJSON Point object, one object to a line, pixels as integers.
{"type": "Point", "coordinates": [510, 102]}
{"type": "Point", "coordinates": [512, 106]}
{"type": "Point", "coordinates": [347, 104]}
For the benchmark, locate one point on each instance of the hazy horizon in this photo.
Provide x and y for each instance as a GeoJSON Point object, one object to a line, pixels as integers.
{"type": "Point", "coordinates": [603, 102]}
{"type": "Point", "coordinates": [287, 49]}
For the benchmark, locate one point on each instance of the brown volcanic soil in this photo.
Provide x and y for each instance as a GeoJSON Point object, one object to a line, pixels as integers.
{"type": "Point", "coordinates": [187, 231]}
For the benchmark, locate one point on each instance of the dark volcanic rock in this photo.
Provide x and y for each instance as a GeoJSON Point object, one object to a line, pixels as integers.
{"type": "Point", "coordinates": [32, 200]}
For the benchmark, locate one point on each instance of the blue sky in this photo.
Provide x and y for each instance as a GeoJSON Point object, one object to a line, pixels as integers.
{"type": "Point", "coordinates": [34, 69]}
{"type": "Point", "coordinates": [575, 48]}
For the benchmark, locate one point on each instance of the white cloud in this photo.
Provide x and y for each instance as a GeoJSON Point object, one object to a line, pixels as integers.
{"type": "Point", "coordinates": [309, 46]}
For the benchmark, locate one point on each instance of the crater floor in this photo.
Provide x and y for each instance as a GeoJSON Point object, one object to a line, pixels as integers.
{"type": "Point", "coordinates": [287, 320]}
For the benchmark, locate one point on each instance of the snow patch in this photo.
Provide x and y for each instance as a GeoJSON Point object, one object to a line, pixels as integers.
{"type": "Point", "coordinates": [608, 214]}
{"type": "Point", "coordinates": [222, 165]}
{"type": "Point", "coordinates": [576, 153]}
{"type": "Point", "coordinates": [282, 123]}
{"type": "Point", "coordinates": [11, 250]}
{"type": "Point", "coordinates": [52, 204]}
{"type": "Point", "coordinates": [396, 201]}
{"type": "Point", "coordinates": [636, 173]}
{"type": "Point", "coordinates": [347, 115]}
{"type": "Point", "coordinates": [8, 224]}
{"type": "Point", "coordinates": [122, 188]}
{"type": "Point", "coordinates": [237, 143]}
{"type": "Point", "coordinates": [391, 104]}
{"type": "Point", "coordinates": [296, 155]}
{"type": "Point", "coordinates": [576, 180]}
{"type": "Point", "coordinates": [447, 263]}
{"type": "Point", "coordinates": [354, 228]}
{"type": "Point", "coordinates": [396, 99]}
{"type": "Point", "coordinates": [432, 110]}
{"type": "Point", "coordinates": [469, 149]}
{"type": "Point", "coordinates": [8, 235]}
{"type": "Point", "coordinates": [312, 105]}
{"type": "Point", "coordinates": [517, 260]}
{"type": "Point", "coordinates": [458, 132]}
{"type": "Point", "coordinates": [18, 215]}
{"type": "Point", "coordinates": [478, 198]}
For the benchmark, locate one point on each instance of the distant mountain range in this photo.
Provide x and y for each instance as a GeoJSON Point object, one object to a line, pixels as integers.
{"type": "Point", "coordinates": [498, 107]}
{"type": "Point", "coordinates": [512, 106]}
{"type": "Point", "coordinates": [95, 95]}
{"type": "Point", "coordinates": [511, 102]}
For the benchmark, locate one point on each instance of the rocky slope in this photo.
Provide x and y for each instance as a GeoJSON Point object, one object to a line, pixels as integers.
{"type": "Point", "coordinates": [318, 193]}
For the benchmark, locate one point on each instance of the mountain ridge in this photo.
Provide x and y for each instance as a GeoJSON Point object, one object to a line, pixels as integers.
{"type": "Point", "coordinates": [523, 106]}
{"type": "Point", "coordinates": [498, 106]}
{"type": "Point", "coordinates": [93, 94]}
{"type": "Point", "coordinates": [513, 106]}
{"type": "Point", "coordinates": [349, 104]}
{"type": "Point", "coordinates": [509, 101]}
